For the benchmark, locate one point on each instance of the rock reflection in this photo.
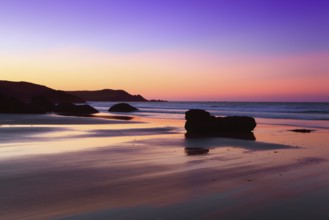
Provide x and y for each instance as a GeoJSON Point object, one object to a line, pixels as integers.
{"type": "Point", "coordinates": [196, 151]}
{"type": "Point", "coordinates": [242, 136]}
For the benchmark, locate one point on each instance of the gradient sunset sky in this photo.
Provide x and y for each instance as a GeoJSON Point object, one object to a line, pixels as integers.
{"type": "Point", "coordinates": [224, 50]}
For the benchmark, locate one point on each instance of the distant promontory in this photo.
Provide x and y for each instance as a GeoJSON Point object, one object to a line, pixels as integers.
{"type": "Point", "coordinates": [108, 95]}
{"type": "Point", "coordinates": [25, 92]}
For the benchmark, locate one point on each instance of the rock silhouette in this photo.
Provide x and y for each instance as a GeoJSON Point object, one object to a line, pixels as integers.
{"type": "Point", "coordinates": [302, 130]}
{"type": "Point", "coordinates": [72, 109]}
{"type": "Point", "coordinates": [200, 122]}
{"type": "Point", "coordinates": [122, 107]}
{"type": "Point", "coordinates": [108, 95]}
{"type": "Point", "coordinates": [25, 92]}
{"type": "Point", "coordinates": [42, 104]}
{"type": "Point", "coordinates": [11, 105]}
{"type": "Point", "coordinates": [30, 98]}
{"type": "Point", "coordinates": [38, 105]}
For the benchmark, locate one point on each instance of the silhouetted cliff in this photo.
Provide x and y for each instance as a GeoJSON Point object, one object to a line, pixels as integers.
{"type": "Point", "coordinates": [108, 95]}
{"type": "Point", "coordinates": [25, 92]}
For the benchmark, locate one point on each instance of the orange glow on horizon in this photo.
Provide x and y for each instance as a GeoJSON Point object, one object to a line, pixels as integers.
{"type": "Point", "coordinates": [175, 75]}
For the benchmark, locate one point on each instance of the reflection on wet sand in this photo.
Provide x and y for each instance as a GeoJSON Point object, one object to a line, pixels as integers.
{"type": "Point", "coordinates": [123, 181]}
{"type": "Point", "coordinates": [215, 142]}
{"type": "Point", "coordinates": [234, 135]}
{"type": "Point", "coordinates": [196, 151]}
{"type": "Point", "coordinates": [145, 171]}
{"type": "Point", "coordinates": [203, 137]}
{"type": "Point", "coordinates": [116, 117]}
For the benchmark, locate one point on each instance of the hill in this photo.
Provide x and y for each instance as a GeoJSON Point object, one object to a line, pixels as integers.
{"type": "Point", "coordinates": [25, 92]}
{"type": "Point", "coordinates": [108, 95]}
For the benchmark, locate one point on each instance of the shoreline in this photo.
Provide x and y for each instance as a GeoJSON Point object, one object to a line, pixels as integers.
{"type": "Point", "coordinates": [140, 169]}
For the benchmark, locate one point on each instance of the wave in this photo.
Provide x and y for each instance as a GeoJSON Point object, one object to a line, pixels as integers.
{"type": "Point", "coordinates": [314, 112]}
{"type": "Point", "coordinates": [301, 111]}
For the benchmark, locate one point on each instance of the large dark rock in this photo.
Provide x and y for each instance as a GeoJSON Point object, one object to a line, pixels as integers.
{"type": "Point", "coordinates": [196, 115]}
{"type": "Point", "coordinates": [38, 105]}
{"type": "Point", "coordinates": [71, 109]}
{"type": "Point", "coordinates": [200, 122]}
{"type": "Point", "coordinates": [122, 107]}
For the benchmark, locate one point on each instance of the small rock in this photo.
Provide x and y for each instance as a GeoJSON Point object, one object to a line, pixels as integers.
{"type": "Point", "coordinates": [122, 107]}
{"type": "Point", "coordinates": [302, 130]}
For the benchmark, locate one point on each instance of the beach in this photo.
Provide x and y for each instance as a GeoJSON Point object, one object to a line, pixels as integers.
{"type": "Point", "coordinates": [65, 167]}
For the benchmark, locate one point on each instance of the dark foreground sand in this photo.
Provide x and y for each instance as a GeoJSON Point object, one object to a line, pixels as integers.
{"type": "Point", "coordinates": [89, 168]}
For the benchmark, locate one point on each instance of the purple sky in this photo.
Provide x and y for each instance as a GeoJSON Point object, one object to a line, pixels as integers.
{"type": "Point", "coordinates": [254, 26]}
{"type": "Point", "coordinates": [249, 28]}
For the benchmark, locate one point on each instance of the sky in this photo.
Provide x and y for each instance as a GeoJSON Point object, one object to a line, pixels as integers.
{"type": "Point", "coordinates": [201, 50]}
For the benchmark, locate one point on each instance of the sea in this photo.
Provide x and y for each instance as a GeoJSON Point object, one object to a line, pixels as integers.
{"type": "Point", "coordinates": [270, 110]}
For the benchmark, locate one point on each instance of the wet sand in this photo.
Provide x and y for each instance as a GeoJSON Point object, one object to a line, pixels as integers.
{"type": "Point", "coordinates": [94, 168]}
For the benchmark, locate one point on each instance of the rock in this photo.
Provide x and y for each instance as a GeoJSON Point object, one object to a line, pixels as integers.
{"type": "Point", "coordinates": [200, 122]}
{"type": "Point", "coordinates": [71, 109]}
{"type": "Point", "coordinates": [235, 124]}
{"type": "Point", "coordinates": [157, 100]}
{"type": "Point", "coordinates": [122, 107]}
{"type": "Point", "coordinates": [15, 106]}
{"type": "Point", "coordinates": [196, 115]}
{"type": "Point", "coordinates": [42, 105]}
{"type": "Point", "coordinates": [302, 130]}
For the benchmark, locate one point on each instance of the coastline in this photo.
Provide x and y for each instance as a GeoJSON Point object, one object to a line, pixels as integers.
{"type": "Point", "coordinates": [139, 169]}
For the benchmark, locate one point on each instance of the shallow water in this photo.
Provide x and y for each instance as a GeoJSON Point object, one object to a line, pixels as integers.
{"type": "Point", "coordinates": [275, 110]}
